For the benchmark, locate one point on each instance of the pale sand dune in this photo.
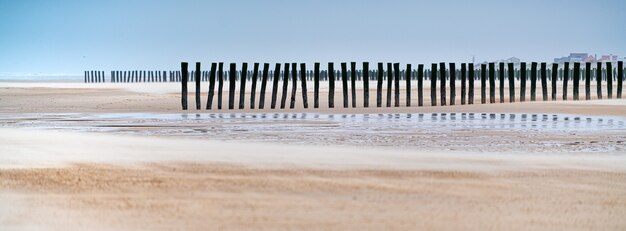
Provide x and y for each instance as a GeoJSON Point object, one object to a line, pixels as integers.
{"type": "Point", "coordinates": [59, 180]}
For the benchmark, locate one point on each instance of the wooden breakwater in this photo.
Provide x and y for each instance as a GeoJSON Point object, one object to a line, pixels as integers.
{"type": "Point", "coordinates": [444, 79]}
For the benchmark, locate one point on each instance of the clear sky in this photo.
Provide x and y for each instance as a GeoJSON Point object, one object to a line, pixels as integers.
{"type": "Point", "coordinates": [63, 36]}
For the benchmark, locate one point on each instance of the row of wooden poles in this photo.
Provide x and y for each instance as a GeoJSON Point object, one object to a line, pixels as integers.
{"type": "Point", "coordinates": [393, 72]}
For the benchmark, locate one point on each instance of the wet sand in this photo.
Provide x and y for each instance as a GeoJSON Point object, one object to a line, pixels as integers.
{"type": "Point", "coordinates": [59, 178]}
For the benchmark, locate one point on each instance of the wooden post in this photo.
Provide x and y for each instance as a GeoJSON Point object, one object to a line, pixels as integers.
{"type": "Point", "coordinates": [303, 79]}
{"type": "Point", "coordinates": [452, 84]}
{"type": "Point", "coordinates": [470, 78]}
{"type": "Point", "coordinates": [183, 69]}
{"type": "Point", "coordinates": [483, 83]}
{"type": "Point", "coordinates": [396, 83]}
{"type": "Point", "coordinates": [331, 85]}
{"type": "Point", "coordinates": [533, 81]}
{"type": "Point", "coordinates": [198, 103]}
{"type": "Point", "coordinates": [316, 85]}
{"type": "Point", "coordinates": [433, 84]}
{"type": "Point", "coordinates": [232, 77]}
{"type": "Point", "coordinates": [501, 76]}
{"type": "Point", "coordinates": [442, 80]}
{"type": "Point", "coordinates": [576, 79]}
{"type": "Point", "coordinates": [522, 82]}
{"type": "Point", "coordinates": [620, 78]}
{"type": "Point", "coordinates": [255, 76]}
{"type": "Point", "coordinates": [242, 85]}
{"type": "Point", "coordinates": [407, 79]}
{"type": "Point", "coordinates": [544, 82]}
{"type": "Point", "coordinates": [420, 85]}
{"type": "Point", "coordinates": [609, 80]}
{"type": "Point", "coordinates": [379, 86]}
{"type": "Point", "coordinates": [492, 83]}
{"type": "Point", "coordinates": [389, 83]}
{"type": "Point", "coordinates": [294, 85]}
{"type": "Point", "coordinates": [511, 71]}
{"type": "Point", "coordinates": [463, 85]}
{"type": "Point", "coordinates": [366, 84]}
{"type": "Point", "coordinates": [353, 82]}
{"type": "Point", "coordinates": [565, 79]}
{"type": "Point", "coordinates": [220, 85]}
{"type": "Point", "coordinates": [209, 102]}
{"type": "Point", "coordinates": [344, 84]}
{"type": "Point", "coordinates": [599, 79]}
{"type": "Point", "coordinates": [588, 81]}
{"type": "Point", "coordinates": [283, 98]}
{"type": "Point", "coordinates": [275, 85]}
{"type": "Point", "coordinates": [555, 68]}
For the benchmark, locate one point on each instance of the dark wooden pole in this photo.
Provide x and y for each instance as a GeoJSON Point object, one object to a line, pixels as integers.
{"type": "Point", "coordinates": [452, 84]}
{"type": "Point", "coordinates": [533, 81]}
{"type": "Point", "coordinates": [266, 67]}
{"type": "Point", "coordinates": [588, 81]}
{"type": "Point", "coordinates": [565, 79]}
{"type": "Point", "coordinates": [366, 84]}
{"type": "Point", "coordinates": [344, 83]}
{"type": "Point", "coordinates": [331, 85]}
{"type": "Point", "coordinates": [599, 79]}
{"type": "Point", "coordinates": [353, 82]}
{"type": "Point", "coordinates": [379, 86]}
{"type": "Point", "coordinates": [492, 83]}
{"type": "Point", "coordinates": [511, 70]}
{"type": "Point", "coordinates": [316, 85]}
{"type": "Point", "coordinates": [620, 78]}
{"type": "Point", "coordinates": [609, 80]}
{"type": "Point", "coordinates": [389, 83]}
{"type": "Point", "coordinates": [255, 76]}
{"type": "Point", "coordinates": [198, 72]}
{"type": "Point", "coordinates": [420, 85]}
{"type": "Point", "coordinates": [275, 85]}
{"type": "Point", "coordinates": [433, 84]}
{"type": "Point", "coordinates": [209, 102]}
{"type": "Point", "coordinates": [523, 78]}
{"type": "Point", "coordinates": [407, 80]}
{"type": "Point", "coordinates": [501, 76]}
{"type": "Point", "coordinates": [483, 83]}
{"type": "Point", "coordinates": [463, 85]}
{"type": "Point", "coordinates": [576, 79]}
{"type": "Point", "coordinates": [183, 69]}
{"type": "Point", "coordinates": [242, 85]}
{"type": "Point", "coordinates": [232, 77]}
{"type": "Point", "coordinates": [396, 84]}
{"type": "Point", "coordinates": [283, 98]}
{"type": "Point", "coordinates": [303, 79]}
{"type": "Point", "coordinates": [470, 78]}
{"type": "Point", "coordinates": [544, 82]}
{"type": "Point", "coordinates": [555, 72]}
{"type": "Point", "coordinates": [220, 85]}
{"type": "Point", "coordinates": [294, 85]}
{"type": "Point", "coordinates": [442, 80]}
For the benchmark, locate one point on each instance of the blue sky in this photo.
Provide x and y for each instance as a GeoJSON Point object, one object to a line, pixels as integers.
{"type": "Point", "coordinates": [71, 36]}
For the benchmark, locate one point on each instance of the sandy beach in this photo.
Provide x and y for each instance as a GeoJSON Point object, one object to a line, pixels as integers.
{"type": "Point", "coordinates": [79, 156]}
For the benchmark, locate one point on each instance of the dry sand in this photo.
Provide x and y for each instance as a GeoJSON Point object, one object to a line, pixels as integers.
{"type": "Point", "coordinates": [61, 180]}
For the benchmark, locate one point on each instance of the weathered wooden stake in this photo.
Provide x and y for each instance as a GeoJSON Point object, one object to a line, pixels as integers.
{"type": "Point", "coordinates": [511, 70]}
{"type": "Point", "coordinates": [609, 80]}
{"type": "Point", "coordinates": [220, 84]}
{"type": "Point", "coordinates": [255, 76]}
{"type": "Point", "coordinates": [232, 77]}
{"type": "Point", "coordinates": [501, 76]}
{"type": "Point", "coordinates": [576, 79]}
{"type": "Point", "coordinates": [407, 80]}
{"type": "Point", "coordinates": [209, 102]}
{"type": "Point", "coordinates": [420, 85]}
{"type": "Point", "coordinates": [483, 83]}
{"type": "Point", "coordinates": [331, 85]}
{"type": "Point", "coordinates": [275, 85]}
{"type": "Point", "coordinates": [565, 79]}
{"type": "Point", "coordinates": [198, 103]}
{"type": "Point", "coordinates": [442, 80]}
{"type": "Point", "coordinates": [294, 85]}
{"type": "Point", "coordinates": [555, 68]}
{"type": "Point", "coordinates": [588, 81]}
{"type": "Point", "coordinates": [379, 86]}
{"type": "Point", "coordinates": [452, 84]}
{"type": "Point", "coordinates": [533, 81]}
{"type": "Point", "coordinates": [344, 84]}
{"type": "Point", "coordinates": [599, 79]}
{"type": "Point", "coordinates": [544, 82]}
{"type": "Point", "coordinates": [470, 77]}
{"type": "Point", "coordinates": [303, 79]}
{"type": "Point", "coordinates": [433, 84]}
{"type": "Point", "coordinates": [316, 85]}
{"type": "Point", "coordinates": [366, 84]}
{"type": "Point", "coordinates": [492, 83]}
{"type": "Point", "coordinates": [242, 85]}
{"type": "Point", "coordinates": [396, 84]}
{"type": "Point", "coordinates": [183, 69]}
{"type": "Point", "coordinates": [353, 72]}
{"type": "Point", "coordinates": [463, 85]}
{"type": "Point", "coordinates": [620, 78]}
{"type": "Point", "coordinates": [389, 83]}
